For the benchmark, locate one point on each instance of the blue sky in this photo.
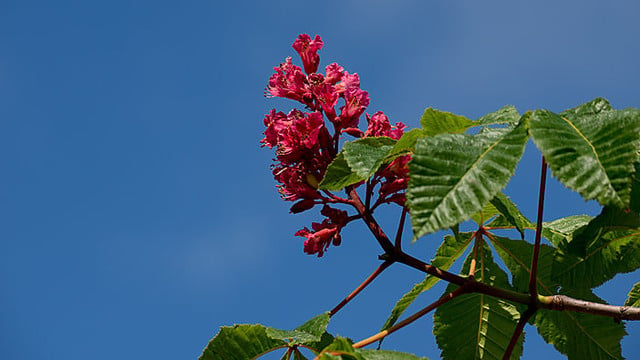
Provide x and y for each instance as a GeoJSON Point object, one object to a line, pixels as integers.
{"type": "Point", "coordinates": [138, 210]}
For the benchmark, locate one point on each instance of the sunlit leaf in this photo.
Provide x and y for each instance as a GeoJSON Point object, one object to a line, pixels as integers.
{"type": "Point", "coordinates": [240, 342]}
{"type": "Point", "coordinates": [506, 115]}
{"type": "Point", "coordinates": [436, 122]}
{"type": "Point", "coordinates": [591, 154]}
{"type": "Point", "coordinates": [454, 175]}
{"type": "Point", "coordinates": [509, 214]}
{"type": "Point", "coordinates": [357, 161]}
{"type": "Point", "coordinates": [608, 245]}
{"type": "Point", "coordinates": [311, 331]}
{"type": "Point", "coordinates": [633, 299]}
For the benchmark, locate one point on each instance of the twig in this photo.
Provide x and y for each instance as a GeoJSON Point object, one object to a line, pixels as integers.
{"type": "Point", "coordinates": [518, 331]}
{"type": "Point", "coordinates": [361, 287]}
{"type": "Point", "coordinates": [533, 289]}
{"type": "Point", "coordinates": [398, 242]}
{"type": "Point", "coordinates": [474, 259]}
{"type": "Point", "coordinates": [457, 292]}
{"type": "Point", "coordinates": [380, 236]}
{"type": "Point", "coordinates": [566, 303]}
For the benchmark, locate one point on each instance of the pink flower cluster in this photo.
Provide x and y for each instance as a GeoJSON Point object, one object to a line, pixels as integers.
{"type": "Point", "coordinates": [305, 146]}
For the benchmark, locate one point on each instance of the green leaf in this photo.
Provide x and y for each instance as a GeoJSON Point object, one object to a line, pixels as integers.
{"type": "Point", "coordinates": [608, 245]}
{"type": "Point", "coordinates": [635, 188]}
{"type": "Point", "coordinates": [449, 251]}
{"type": "Point", "coordinates": [357, 161]}
{"type": "Point", "coordinates": [486, 214]}
{"type": "Point", "coordinates": [506, 115]}
{"type": "Point", "coordinates": [577, 335]}
{"type": "Point", "coordinates": [560, 231]}
{"type": "Point", "coordinates": [405, 145]}
{"type": "Point", "coordinates": [633, 299]}
{"type": "Point", "coordinates": [240, 342]}
{"type": "Point", "coordinates": [311, 331]}
{"type": "Point", "coordinates": [516, 255]}
{"type": "Point", "coordinates": [365, 156]}
{"type": "Point", "coordinates": [478, 326]}
{"type": "Point", "coordinates": [510, 214]}
{"type": "Point", "coordinates": [591, 154]}
{"type": "Point", "coordinates": [436, 122]}
{"type": "Point", "coordinates": [342, 349]}
{"type": "Point", "coordinates": [592, 107]}
{"type": "Point", "coordinates": [339, 175]}
{"type": "Point", "coordinates": [387, 355]}
{"type": "Point", "coordinates": [454, 175]}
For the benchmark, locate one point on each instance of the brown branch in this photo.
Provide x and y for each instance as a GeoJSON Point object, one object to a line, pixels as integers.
{"type": "Point", "coordinates": [361, 287]}
{"type": "Point", "coordinates": [566, 303]}
{"type": "Point", "coordinates": [398, 242]}
{"type": "Point", "coordinates": [518, 331]}
{"type": "Point", "coordinates": [381, 335]}
{"type": "Point", "coordinates": [533, 289]}
{"type": "Point", "coordinates": [380, 236]}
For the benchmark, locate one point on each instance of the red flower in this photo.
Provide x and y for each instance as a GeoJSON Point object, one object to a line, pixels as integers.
{"type": "Point", "coordinates": [296, 135]}
{"type": "Point", "coordinates": [289, 82]}
{"type": "Point", "coordinates": [320, 238]}
{"type": "Point", "coordinates": [293, 183]}
{"type": "Point", "coordinates": [356, 101]}
{"type": "Point", "coordinates": [327, 97]}
{"type": "Point", "coordinates": [347, 82]}
{"type": "Point", "coordinates": [378, 125]}
{"type": "Point", "coordinates": [308, 50]}
{"type": "Point", "coordinates": [334, 73]}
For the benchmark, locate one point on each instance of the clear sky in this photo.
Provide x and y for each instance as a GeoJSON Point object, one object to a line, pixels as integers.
{"type": "Point", "coordinates": [138, 213]}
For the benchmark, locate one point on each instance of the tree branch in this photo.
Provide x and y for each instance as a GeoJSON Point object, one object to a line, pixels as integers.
{"type": "Point", "coordinates": [381, 335]}
{"type": "Point", "coordinates": [518, 331]}
{"type": "Point", "coordinates": [533, 289]}
{"type": "Point", "coordinates": [382, 238]}
{"type": "Point", "coordinates": [361, 287]}
{"type": "Point", "coordinates": [566, 303]}
{"type": "Point", "coordinates": [398, 242]}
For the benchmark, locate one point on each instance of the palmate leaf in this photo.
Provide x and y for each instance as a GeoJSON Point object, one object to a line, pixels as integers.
{"type": "Point", "coordinates": [454, 175]}
{"type": "Point", "coordinates": [240, 342]}
{"type": "Point", "coordinates": [635, 187]}
{"type": "Point", "coordinates": [592, 107]}
{"type": "Point", "coordinates": [579, 336]}
{"type": "Point", "coordinates": [592, 154]}
{"type": "Point", "coordinates": [487, 213]}
{"type": "Point", "coordinates": [357, 161]}
{"type": "Point", "coordinates": [339, 174]}
{"type": "Point", "coordinates": [342, 349]}
{"type": "Point", "coordinates": [633, 299]}
{"type": "Point", "coordinates": [478, 326]}
{"type": "Point", "coordinates": [561, 231]}
{"type": "Point", "coordinates": [509, 214]}
{"type": "Point", "coordinates": [506, 115]}
{"type": "Point", "coordinates": [435, 122]}
{"type": "Point", "coordinates": [405, 145]}
{"type": "Point", "coordinates": [449, 251]}
{"type": "Point", "coordinates": [608, 245]}
{"type": "Point", "coordinates": [311, 331]}
{"type": "Point", "coordinates": [244, 342]}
